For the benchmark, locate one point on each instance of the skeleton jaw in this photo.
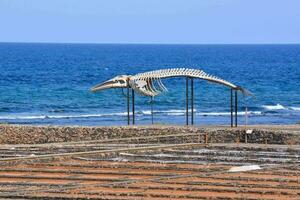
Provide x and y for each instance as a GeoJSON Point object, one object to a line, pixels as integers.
{"type": "Point", "coordinates": [116, 82]}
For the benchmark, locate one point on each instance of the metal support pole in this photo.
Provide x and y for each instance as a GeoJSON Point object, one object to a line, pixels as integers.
{"type": "Point", "coordinates": [246, 117]}
{"type": "Point", "coordinates": [192, 101]}
{"type": "Point", "coordinates": [133, 111]}
{"type": "Point", "coordinates": [187, 100]}
{"type": "Point", "coordinates": [128, 104]}
{"type": "Point", "coordinates": [231, 108]}
{"type": "Point", "coordinates": [152, 110]}
{"type": "Point", "coordinates": [236, 107]}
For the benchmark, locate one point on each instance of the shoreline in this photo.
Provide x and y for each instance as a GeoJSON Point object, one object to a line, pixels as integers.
{"type": "Point", "coordinates": [241, 126]}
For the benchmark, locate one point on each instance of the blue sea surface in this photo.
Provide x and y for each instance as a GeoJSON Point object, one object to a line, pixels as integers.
{"type": "Point", "coordinates": [49, 83]}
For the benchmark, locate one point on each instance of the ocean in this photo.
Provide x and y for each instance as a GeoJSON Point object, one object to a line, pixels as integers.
{"type": "Point", "coordinates": [49, 83]}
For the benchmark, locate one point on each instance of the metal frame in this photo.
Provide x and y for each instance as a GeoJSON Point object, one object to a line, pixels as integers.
{"type": "Point", "coordinates": [233, 109]}
{"type": "Point", "coordinates": [133, 106]}
{"type": "Point", "coordinates": [236, 108]}
{"type": "Point", "coordinates": [152, 119]}
{"type": "Point", "coordinates": [187, 101]}
{"type": "Point", "coordinates": [128, 103]}
{"type": "Point", "coordinates": [192, 101]}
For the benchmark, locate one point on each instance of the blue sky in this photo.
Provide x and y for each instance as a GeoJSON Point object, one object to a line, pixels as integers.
{"type": "Point", "coordinates": [150, 21]}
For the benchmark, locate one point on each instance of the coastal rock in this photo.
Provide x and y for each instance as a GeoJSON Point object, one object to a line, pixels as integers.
{"type": "Point", "coordinates": [19, 134]}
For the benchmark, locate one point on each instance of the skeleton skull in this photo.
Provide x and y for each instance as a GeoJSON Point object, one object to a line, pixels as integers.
{"type": "Point", "coordinates": [116, 82]}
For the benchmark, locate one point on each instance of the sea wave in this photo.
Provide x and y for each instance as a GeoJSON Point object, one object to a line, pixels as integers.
{"type": "Point", "coordinates": [183, 112]}
{"type": "Point", "coordinates": [57, 110]}
{"type": "Point", "coordinates": [98, 115]}
{"type": "Point", "coordinates": [229, 113]}
{"type": "Point", "coordinates": [32, 117]}
{"type": "Point", "coordinates": [274, 107]}
{"type": "Point", "coordinates": [279, 107]}
{"type": "Point", "coordinates": [295, 108]}
{"type": "Point", "coordinates": [167, 112]}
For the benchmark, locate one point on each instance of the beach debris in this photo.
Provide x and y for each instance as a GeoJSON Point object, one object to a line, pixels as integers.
{"type": "Point", "coordinates": [244, 168]}
{"type": "Point", "coordinates": [249, 131]}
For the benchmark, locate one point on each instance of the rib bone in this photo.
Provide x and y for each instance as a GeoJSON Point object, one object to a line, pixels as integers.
{"type": "Point", "coordinates": [143, 83]}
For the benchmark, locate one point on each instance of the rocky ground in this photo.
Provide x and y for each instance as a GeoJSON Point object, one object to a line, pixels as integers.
{"type": "Point", "coordinates": [19, 134]}
{"type": "Point", "coordinates": [181, 165]}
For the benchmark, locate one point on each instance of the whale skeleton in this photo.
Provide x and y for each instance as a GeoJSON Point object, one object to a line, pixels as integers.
{"type": "Point", "coordinates": [150, 83]}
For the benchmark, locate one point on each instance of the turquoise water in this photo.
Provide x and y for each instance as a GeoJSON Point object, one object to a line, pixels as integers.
{"type": "Point", "coordinates": [49, 83]}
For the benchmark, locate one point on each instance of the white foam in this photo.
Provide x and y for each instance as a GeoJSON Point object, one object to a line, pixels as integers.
{"type": "Point", "coordinates": [295, 108]}
{"type": "Point", "coordinates": [228, 113]}
{"type": "Point", "coordinates": [96, 115]}
{"type": "Point", "coordinates": [167, 112]}
{"type": "Point", "coordinates": [146, 112]}
{"type": "Point", "coordinates": [10, 117]}
{"type": "Point", "coordinates": [183, 112]}
{"type": "Point", "coordinates": [176, 114]}
{"type": "Point", "coordinates": [23, 117]}
{"type": "Point", "coordinates": [274, 107]}
{"type": "Point", "coordinates": [175, 111]}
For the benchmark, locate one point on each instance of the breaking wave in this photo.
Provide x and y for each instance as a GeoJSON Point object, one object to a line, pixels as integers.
{"type": "Point", "coordinates": [97, 115]}
{"type": "Point", "coordinates": [295, 108]}
{"type": "Point", "coordinates": [22, 117]}
{"type": "Point", "coordinates": [268, 110]}
{"type": "Point", "coordinates": [228, 113]}
{"type": "Point", "coordinates": [280, 107]}
{"type": "Point", "coordinates": [274, 107]}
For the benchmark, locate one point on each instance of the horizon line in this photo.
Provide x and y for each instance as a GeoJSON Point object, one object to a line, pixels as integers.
{"type": "Point", "coordinates": [141, 43]}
